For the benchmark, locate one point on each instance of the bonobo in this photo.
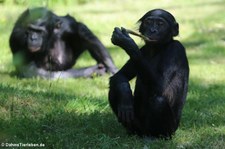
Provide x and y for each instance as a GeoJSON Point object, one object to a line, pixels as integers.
{"type": "Point", "coordinates": [46, 45]}
{"type": "Point", "coordinates": [162, 72]}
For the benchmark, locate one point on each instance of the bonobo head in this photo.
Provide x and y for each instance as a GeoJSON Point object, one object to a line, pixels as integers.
{"type": "Point", "coordinates": [35, 37]}
{"type": "Point", "coordinates": [159, 26]}
{"type": "Point", "coordinates": [38, 23]}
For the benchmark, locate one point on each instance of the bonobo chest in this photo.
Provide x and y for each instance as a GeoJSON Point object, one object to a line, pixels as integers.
{"type": "Point", "coordinates": [59, 57]}
{"type": "Point", "coordinates": [153, 57]}
{"type": "Point", "coordinates": [145, 79]}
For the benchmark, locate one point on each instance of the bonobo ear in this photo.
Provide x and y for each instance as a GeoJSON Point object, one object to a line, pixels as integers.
{"type": "Point", "coordinates": [175, 30]}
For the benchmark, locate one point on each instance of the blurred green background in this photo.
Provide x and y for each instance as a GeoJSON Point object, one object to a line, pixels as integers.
{"type": "Point", "coordinates": [74, 113]}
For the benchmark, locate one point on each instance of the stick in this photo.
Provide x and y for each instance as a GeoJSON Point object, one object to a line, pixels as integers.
{"type": "Point", "coordinates": [139, 35]}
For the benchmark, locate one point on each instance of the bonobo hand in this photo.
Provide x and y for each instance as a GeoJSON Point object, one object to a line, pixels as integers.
{"type": "Point", "coordinates": [121, 38]}
{"type": "Point", "coordinates": [125, 103]}
{"type": "Point", "coordinates": [125, 114]}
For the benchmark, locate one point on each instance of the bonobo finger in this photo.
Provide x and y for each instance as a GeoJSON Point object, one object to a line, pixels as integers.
{"type": "Point", "coordinates": [116, 33]}
{"type": "Point", "coordinates": [114, 38]}
{"type": "Point", "coordinates": [117, 30]}
{"type": "Point", "coordinates": [132, 116]}
{"type": "Point", "coordinates": [124, 119]}
{"type": "Point", "coordinates": [119, 116]}
{"type": "Point", "coordinates": [128, 118]}
{"type": "Point", "coordinates": [123, 30]}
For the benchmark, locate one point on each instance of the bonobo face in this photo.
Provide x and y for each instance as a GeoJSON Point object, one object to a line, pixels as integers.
{"type": "Point", "coordinates": [159, 25]}
{"type": "Point", "coordinates": [155, 28]}
{"type": "Point", "coordinates": [35, 37]}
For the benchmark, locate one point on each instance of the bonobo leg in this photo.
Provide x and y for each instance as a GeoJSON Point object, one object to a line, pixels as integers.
{"type": "Point", "coordinates": [31, 70]}
{"type": "Point", "coordinates": [156, 117]}
{"type": "Point", "coordinates": [121, 102]}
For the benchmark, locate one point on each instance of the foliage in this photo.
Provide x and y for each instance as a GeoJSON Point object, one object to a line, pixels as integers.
{"type": "Point", "coordinates": [74, 113]}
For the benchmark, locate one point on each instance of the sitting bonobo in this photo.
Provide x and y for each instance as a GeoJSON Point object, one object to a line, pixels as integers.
{"type": "Point", "coordinates": [162, 72]}
{"type": "Point", "coordinates": [48, 46]}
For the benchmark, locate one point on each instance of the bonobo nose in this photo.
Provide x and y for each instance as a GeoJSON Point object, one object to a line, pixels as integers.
{"type": "Point", "coordinates": [34, 37]}
{"type": "Point", "coordinates": [153, 30]}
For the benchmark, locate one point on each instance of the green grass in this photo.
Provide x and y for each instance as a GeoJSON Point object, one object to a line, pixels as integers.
{"type": "Point", "coordinates": [74, 113]}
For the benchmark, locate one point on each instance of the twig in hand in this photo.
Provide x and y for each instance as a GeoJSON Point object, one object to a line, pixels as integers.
{"type": "Point", "coordinates": [139, 35]}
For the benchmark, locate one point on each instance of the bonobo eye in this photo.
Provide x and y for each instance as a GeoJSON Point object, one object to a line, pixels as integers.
{"type": "Point", "coordinates": [148, 21]}
{"type": "Point", "coordinates": [36, 28]}
{"type": "Point", "coordinates": [33, 31]}
{"type": "Point", "coordinates": [58, 25]}
{"type": "Point", "coordinates": [161, 23]}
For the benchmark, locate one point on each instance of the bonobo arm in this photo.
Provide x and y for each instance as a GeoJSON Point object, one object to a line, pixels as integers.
{"type": "Point", "coordinates": [31, 70]}
{"type": "Point", "coordinates": [96, 48]}
{"type": "Point", "coordinates": [120, 94]}
{"type": "Point", "coordinates": [144, 67]}
{"type": "Point", "coordinates": [122, 39]}
{"type": "Point", "coordinates": [17, 44]}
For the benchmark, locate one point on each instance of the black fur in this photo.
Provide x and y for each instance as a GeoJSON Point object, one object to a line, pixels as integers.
{"type": "Point", "coordinates": [46, 45]}
{"type": "Point", "coordinates": [161, 70]}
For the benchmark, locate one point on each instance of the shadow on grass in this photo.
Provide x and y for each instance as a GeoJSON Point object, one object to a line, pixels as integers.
{"type": "Point", "coordinates": [10, 91]}
{"type": "Point", "coordinates": [204, 106]}
{"type": "Point", "coordinates": [43, 118]}
{"type": "Point", "coordinates": [62, 129]}
{"type": "Point", "coordinates": [58, 128]}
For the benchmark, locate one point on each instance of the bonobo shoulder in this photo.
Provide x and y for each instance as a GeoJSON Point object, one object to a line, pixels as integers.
{"type": "Point", "coordinates": [177, 44]}
{"type": "Point", "coordinates": [175, 47]}
{"type": "Point", "coordinates": [69, 17]}
{"type": "Point", "coordinates": [70, 20]}
{"type": "Point", "coordinates": [177, 51]}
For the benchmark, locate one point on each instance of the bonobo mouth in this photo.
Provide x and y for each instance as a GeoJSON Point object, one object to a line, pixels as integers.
{"type": "Point", "coordinates": [34, 49]}
{"type": "Point", "coordinates": [151, 38]}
